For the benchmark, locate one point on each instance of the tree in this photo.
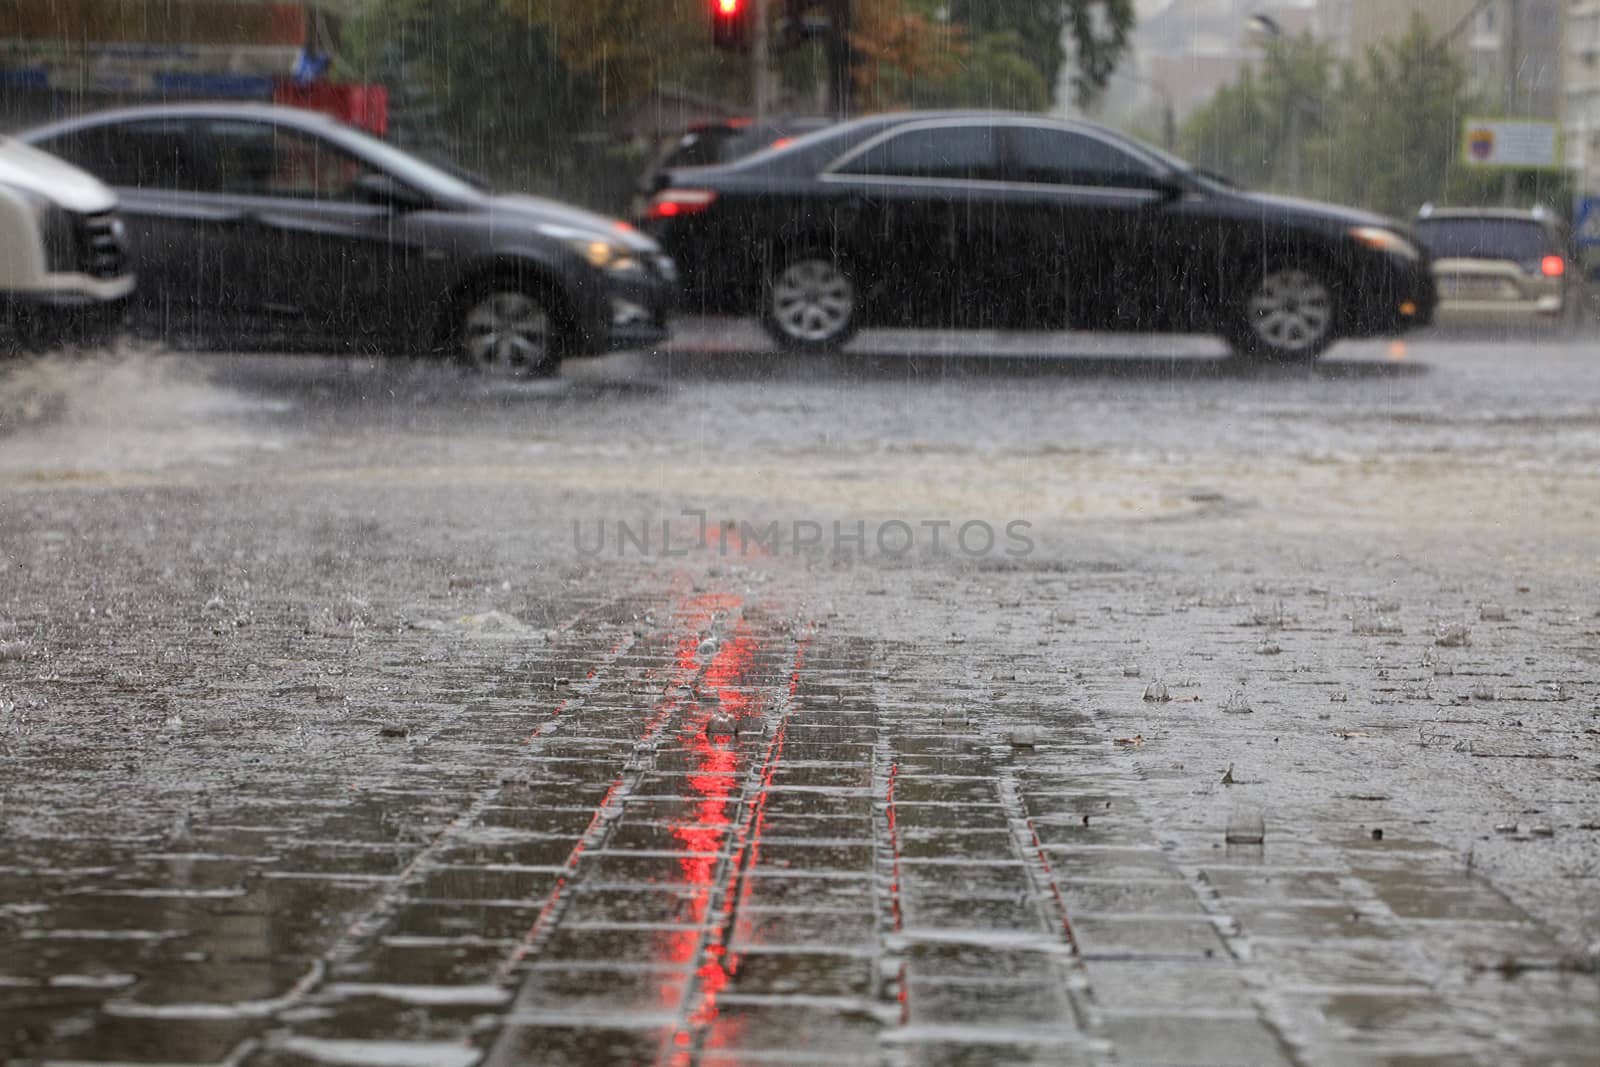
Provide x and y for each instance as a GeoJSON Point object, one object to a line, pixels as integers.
{"type": "Point", "coordinates": [1252, 127]}
{"type": "Point", "coordinates": [1098, 28]}
{"type": "Point", "coordinates": [1395, 136]}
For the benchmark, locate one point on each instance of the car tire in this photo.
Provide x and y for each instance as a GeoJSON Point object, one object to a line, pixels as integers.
{"type": "Point", "coordinates": [810, 303]}
{"type": "Point", "coordinates": [1289, 314]}
{"type": "Point", "coordinates": [508, 329]}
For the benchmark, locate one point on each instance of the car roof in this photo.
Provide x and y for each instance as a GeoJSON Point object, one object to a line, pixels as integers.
{"type": "Point", "coordinates": [288, 116]}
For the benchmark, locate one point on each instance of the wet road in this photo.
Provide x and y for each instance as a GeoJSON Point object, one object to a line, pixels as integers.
{"type": "Point", "coordinates": [957, 699]}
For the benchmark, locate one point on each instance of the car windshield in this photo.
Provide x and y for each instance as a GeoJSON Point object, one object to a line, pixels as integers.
{"type": "Point", "coordinates": [1522, 240]}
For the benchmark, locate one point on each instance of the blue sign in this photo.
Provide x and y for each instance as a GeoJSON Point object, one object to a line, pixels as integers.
{"type": "Point", "coordinates": [1586, 221]}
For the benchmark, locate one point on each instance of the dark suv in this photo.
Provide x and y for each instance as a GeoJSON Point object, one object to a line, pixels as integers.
{"type": "Point", "coordinates": [257, 226]}
{"type": "Point", "coordinates": [996, 220]}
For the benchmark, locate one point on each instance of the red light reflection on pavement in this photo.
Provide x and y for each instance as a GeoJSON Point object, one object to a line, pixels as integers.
{"type": "Point", "coordinates": [725, 885]}
{"type": "Point", "coordinates": [694, 614]}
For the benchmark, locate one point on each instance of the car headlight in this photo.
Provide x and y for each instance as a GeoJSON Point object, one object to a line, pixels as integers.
{"type": "Point", "coordinates": [1381, 240]}
{"type": "Point", "coordinates": [600, 252]}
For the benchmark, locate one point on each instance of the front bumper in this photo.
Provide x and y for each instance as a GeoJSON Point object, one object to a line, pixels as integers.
{"type": "Point", "coordinates": [72, 309]}
{"type": "Point", "coordinates": [630, 310]}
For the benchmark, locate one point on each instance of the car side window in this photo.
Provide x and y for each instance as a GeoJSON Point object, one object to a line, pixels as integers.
{"type": "Point", "coordinates": [965, 152]}
{"type": "Point", "coordinates": [158, 154]}
{"type": "Point", "coordinates": [263, 159]}
{"type": "Point", "coordinates": [1044, 156]}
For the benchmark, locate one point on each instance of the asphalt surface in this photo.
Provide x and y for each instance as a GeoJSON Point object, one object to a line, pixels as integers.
{"type": "Point", "coordinates": [955, 699]}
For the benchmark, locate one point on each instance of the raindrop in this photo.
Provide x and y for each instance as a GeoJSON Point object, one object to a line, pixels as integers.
{"type": "Point", "coordinates": [1237, 704]}
{"type": "Point", "coordinates": [1156, 692]}
{"type": "Point", "coordinates": [1453, 635]}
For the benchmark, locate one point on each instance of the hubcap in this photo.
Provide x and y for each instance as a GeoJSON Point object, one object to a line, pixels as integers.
{"type": "Point", "coordinates": [812, 300]}
{"type": "Point", "coordinates": [507, 332]}
{"type": "Point", "coordinates": [1291, 310]}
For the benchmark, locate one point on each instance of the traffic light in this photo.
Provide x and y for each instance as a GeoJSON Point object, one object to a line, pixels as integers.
{"type": "Point", "coordinates": [730, 24]}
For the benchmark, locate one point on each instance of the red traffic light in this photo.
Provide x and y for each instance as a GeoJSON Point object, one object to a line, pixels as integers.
{"type": "Point", "coordinates": [730, 24]}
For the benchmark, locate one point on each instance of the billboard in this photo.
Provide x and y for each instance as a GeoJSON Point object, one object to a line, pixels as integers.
{"type": "Point", "coordinates": [1522, 144]}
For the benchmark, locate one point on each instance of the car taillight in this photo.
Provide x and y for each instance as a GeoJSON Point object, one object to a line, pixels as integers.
{"type": "Point", "coordinates": [1553, 266]}
{"type": "Point", "coordinates": [671, 203]}
{"type": "Point", "coordinates": [783, 142]}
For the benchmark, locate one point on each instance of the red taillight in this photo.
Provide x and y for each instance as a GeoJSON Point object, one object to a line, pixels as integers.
{"type": "Point", "coordinates": [1553, 266]}
{"type": "Point", "coordinates": [671, 203]}
{"type": "Point", "coordinates": [783, 142]}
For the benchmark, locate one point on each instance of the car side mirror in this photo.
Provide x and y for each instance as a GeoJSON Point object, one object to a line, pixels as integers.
{"type": "Point", "coordinates": [380, 190]}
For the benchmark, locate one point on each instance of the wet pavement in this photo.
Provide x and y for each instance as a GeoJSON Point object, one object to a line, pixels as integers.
{"type": "Point", "coordinates": [365, 713]}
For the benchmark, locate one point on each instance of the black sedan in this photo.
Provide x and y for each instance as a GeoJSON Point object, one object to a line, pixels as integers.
{"type": "Point", "coordinates": [1022, 221]}
{"type": "Point", "coordinates": [257, 226]}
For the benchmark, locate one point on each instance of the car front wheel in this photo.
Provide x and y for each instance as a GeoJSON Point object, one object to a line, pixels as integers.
{"type": "Point", "coordinates": [810, 304]}
{"type": "Point", "coordinates": [1288, 316]}
{"type": "Point", "coordinates": [508, 332]}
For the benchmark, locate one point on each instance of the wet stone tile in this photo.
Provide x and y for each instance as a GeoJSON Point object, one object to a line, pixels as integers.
{"type": "Point", "coordinates": [781, 803]}
{"type": "Point", "coordinates": [976, 878]}
{"type": "Point", "coordinates": [477, 883]}
{"type": "Point", "coordinates": [625, 868]}
{"type": "Point", "coordinates": [756, 928]}
{"type": "Point", "coordinates": [911, 817]}
{"type": "Point", "coordinates": [559, 822]}
{"type": "Point", "coordinates": [154, 1040]}
{"type": "Point", "coordinates": [1124, 897]}
{"type": "Point", "coordinates": [602, 990]}
{"type": "Point", "coordinates": [679, 810]}
{"type": "Point", "coordinates": [1194, 1041]}
{"type": "Point", "coordinates": [461, 919]}
{"type": "Point", "coordinates": [946, 912]}
{"type": "Point", "coordinates": [1103, 937]}
{"type": "Point", "coordinates": [836, 776]}
{"type": "Point", "coordinates": [964, 960]}
{"type": "Point", "coordinates": [629, 945]}
{"type": "Point", "coordinates": [349, 1016]}
{"type": "Point", "coordinates": [773, 889]}
{"type": "Point", "coordinates": [816, 856]}
{"type": "Point", "coordinates": [576, 1046]}
{"type": "Point", "coordinates": [957, 844]}
{"type": "Point", "coordinates": [425, 964]}
{"type": "Point", "coordinates": [1266, 883]}
{"type": "Point", "coordinates": [1172, 987]}
{"type": "Point", "coordinates": [536, 851]}
{"type": "Point", "coordinates": [345, 858]}
{"type": "Point", "coordinates": [1347, 961]}
{"type": "Point", "coordinates": [1308, 921]}
{"type": "Point", "coordinates": [1144, 864]}
{"type": "Point", "coordinates": [216, 981]}
{"type": "Point", "coordinates": [975, 1052]}
{"type": "Point", "coordinates": [989, 1002]}
{"type": "Point", "coordinates": [676, 906]}
{"type": "Point", "coordinates": [668, 837]}
{"type": "Point", "coordinates": [794, 1028]}
{"type": "Point", "coordinates": [815, 974]}
{"type": "Point", "coordinates": [914, 790]}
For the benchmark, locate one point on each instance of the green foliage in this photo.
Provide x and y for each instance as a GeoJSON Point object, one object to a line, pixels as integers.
{"type": "Point", "coordinates": [1383, 133]}
{"type": "Point", "coordinates": [1098, 28]}
{"type": "Point", "coordinates": [989, 74]}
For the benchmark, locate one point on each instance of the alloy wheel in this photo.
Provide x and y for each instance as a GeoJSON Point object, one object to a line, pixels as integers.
{"type": "Point", "coordinates": [507, 332]}
{"type": "Point", "coordinates": [812, 301]}
{"type": "Point", "coordinates": [1291, 312]}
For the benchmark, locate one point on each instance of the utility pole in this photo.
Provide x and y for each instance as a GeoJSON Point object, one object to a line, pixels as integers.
{"type": "Point", "coordinates": [1513, 59]}
{"type": "Point", "coordinates": [760, 82]}
{"type": "Point", "coordinates": [840, 59]}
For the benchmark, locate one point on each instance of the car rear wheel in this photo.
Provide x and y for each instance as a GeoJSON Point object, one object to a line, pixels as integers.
{"type": "Point", "coordinates": [507, 331]}
{"type": "Point", "coordinates": [810, 304]}
{"type": "Point", "coordinates": [1288, 316]}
